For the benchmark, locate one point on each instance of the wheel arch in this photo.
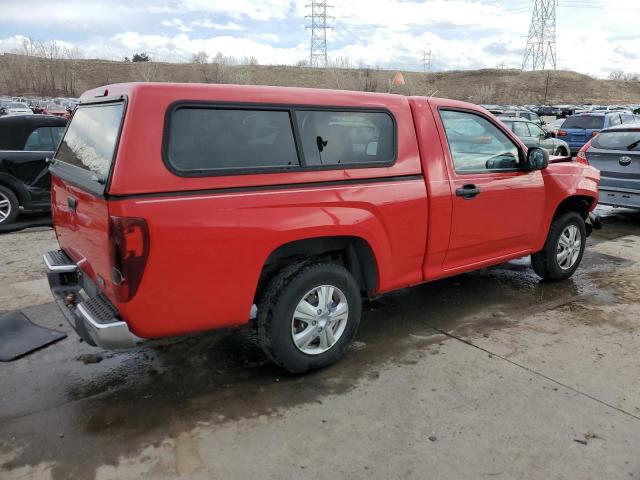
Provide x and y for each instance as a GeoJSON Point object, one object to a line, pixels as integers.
{"type": "Point", "coordinates": [582, 204]}
{"type": "Point", "coordinates": [16, 187]}
{"type": "Point", "coordinates": [354, 252]}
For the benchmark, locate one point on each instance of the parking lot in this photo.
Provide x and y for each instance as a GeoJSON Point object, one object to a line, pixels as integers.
{"type": "Point", "coordinates": [491, 374]}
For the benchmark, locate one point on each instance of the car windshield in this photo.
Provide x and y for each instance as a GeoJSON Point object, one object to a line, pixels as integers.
{"type": "Point", "coordinates": [628, 141]}
{"type": "Point", "coordinates": [587, 122]}
{"type": "Point", "coordinates": [17, 105]}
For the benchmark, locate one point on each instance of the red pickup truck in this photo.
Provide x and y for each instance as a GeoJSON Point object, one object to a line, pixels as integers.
{"type": "Point", "coordinates": [182, 208]}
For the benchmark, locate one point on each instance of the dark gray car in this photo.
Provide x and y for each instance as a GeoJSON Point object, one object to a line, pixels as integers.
{"type": "Point", "coordinates": [533, 136]}
{"type": "Point", "coordinates": [616, 153]}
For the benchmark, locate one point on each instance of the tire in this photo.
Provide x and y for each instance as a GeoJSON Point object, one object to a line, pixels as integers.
{"type": "Point", "coordinates": [562, 152]}
{"type": "Point", "coordinates": [549, 263]}
{"type": "Point", "coordinates": [286, 293]}
{"type": "Point", "coordinates": [9, 206]}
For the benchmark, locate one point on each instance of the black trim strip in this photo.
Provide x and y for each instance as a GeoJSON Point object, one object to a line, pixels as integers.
{"type": "Point", "coordinates": [261, 188]}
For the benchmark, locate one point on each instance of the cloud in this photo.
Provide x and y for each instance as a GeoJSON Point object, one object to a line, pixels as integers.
{"type": "Point", "coordinates": [176, 22]}
{"type": "Point", "coordinates": [207, 23]}
{"type": "Point", "coordinates": [461, 34]}
{"type": "Point", "coordinates": [182, 46]}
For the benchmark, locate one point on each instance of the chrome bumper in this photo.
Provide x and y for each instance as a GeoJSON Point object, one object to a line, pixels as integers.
{"type": "Point", "coordinates": [88, 311]}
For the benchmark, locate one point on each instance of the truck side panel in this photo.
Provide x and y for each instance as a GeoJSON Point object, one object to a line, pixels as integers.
{"type": "Point", "coordinates": [207, 250]}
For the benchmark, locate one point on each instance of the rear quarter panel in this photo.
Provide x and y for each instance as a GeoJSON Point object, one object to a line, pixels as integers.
{"type": "Point", "coordinates": [207, 250]}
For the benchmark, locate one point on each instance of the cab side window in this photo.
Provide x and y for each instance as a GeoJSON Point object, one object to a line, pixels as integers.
{"type": "Point", "coordinates": [477, 145]}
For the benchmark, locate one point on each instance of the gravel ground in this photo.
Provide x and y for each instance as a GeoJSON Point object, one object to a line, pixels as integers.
{"type": "Point", "coordinates": [491, 374]}
{"type": "Point", "coordinates": [22, 273]}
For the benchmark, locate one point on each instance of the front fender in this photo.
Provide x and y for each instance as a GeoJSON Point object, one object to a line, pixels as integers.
{"type": "Point", "coordinates": [563, 181]}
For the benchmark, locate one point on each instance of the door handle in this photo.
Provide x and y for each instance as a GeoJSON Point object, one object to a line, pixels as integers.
{"type": "Point", "coordinates": [468, 191]}
{"type": "Point", "coordinates": [72, 203]}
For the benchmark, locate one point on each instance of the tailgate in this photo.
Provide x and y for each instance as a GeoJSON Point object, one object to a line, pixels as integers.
{"type": "Point", "coordinates": [576, 135]}
{"type": "Point", "coordinates": [79, 175]}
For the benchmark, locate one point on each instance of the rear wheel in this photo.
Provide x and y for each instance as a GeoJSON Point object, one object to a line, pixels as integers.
{"type": "Point", "coordinates": [563, 250]}
{"type": "Point", "coordinates": [8, 206]}
{"type": "Point", "coordinates": [308, 317]}
{"type": "Point", "coordinates": [562, 152]}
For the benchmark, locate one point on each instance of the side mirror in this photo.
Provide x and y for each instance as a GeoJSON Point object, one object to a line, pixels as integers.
{"type": "Point", "coordinates": [549, 135]}
{"type": "Point", "coordinates": [537, 159]}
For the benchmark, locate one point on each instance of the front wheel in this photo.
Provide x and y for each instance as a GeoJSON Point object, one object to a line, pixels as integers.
{"type": "Point", "coordinates": [563, 250]}
{"type": "Point", "coordinates": [308, 317]}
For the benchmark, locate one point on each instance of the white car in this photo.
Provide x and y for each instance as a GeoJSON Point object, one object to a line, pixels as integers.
{"type": "Point", "coordinates": [16, 108]}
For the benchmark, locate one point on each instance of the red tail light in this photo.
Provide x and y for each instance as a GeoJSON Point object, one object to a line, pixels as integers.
{"type": "Point", "coordinates": [129, 249]}
{"type": "Point", "coordinates": [582, 154]}
{"type": "Point", "coordinates": [561, 133]}
{"type": "Point", "coordinates": [593, 134]}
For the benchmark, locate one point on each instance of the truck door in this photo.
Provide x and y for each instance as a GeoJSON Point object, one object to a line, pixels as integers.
{"type": "Point", "coordinates": [497, 206]}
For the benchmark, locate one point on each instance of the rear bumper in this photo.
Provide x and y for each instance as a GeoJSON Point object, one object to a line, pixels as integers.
{"type": "Point", "coordinates": [621, 197]}
{"type": "Point", "coordinates": [88, 311]}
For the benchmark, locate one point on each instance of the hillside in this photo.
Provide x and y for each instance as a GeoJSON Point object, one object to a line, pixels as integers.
{"type": "Point", "coordinates": [20, 75]}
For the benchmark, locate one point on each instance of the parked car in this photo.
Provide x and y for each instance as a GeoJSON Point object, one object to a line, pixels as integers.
{"type": "Point", "coordinates": [554, 126]}
{"type": "Point", "coordinates": [532, 135]}
{"type": "Point", "coordinates": [57, 110]}
{"type": "Point", "coordinates": [533, 117]}
{"type": "Point", "coordinates": [183, 208]}
{"type": "Point", "coordinates": [616, 153]}
{"type": "Point", "coordinates": [547, 111]}
{"type": "Point", "coordinates": [25, 143]}
{"type": "Point", "coordinates": [16, 108]}
{"type": "Point", "coordinates": [579, 129]}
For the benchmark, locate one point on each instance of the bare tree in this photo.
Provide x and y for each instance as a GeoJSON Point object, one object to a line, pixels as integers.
{"type": "Point", "coordinates": [201, 59]}
{"type": "Point", "coordinates": [616, 75]}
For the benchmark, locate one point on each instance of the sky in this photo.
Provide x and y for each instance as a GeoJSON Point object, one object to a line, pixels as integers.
{"type": "Point", "coordinates": [594, 36]}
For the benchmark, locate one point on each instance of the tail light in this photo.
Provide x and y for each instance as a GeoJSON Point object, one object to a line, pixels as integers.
{"type": "Point", "coordinates": [582, 154]}
{"type": "Point", "coordinates": [129, 249]}
{"type": "Point", "coordinates": [594, 134]}
{"type": "Point", "coordinates": [561, 133]}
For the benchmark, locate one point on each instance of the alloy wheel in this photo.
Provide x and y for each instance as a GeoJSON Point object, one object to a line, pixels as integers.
{"type": "Point", "coordinates": [320, 319]}
{"type": "Point", "coordinates": [5, 207]}
{"type": "Point", "coordinates": [568, 247]}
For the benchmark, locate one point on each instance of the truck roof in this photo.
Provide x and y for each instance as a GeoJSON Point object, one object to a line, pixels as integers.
{"type": "Point", "coordinates": [224, 92]}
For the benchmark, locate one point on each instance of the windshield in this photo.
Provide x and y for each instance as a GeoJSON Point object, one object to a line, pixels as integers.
{"type": "Point", "coordinates": [628, 141]}
{"type": "Point", "coordinates": [587, 122]}
{"type": "Point", "coordinates": [17, 105]}
{"type": "Point", "coordinates": [90, 140]}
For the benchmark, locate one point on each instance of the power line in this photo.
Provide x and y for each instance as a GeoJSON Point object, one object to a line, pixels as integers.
{"type": "Point", "coordinates": [319, 26]}
{"type": "Point", "coordinates": [541, 41]}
